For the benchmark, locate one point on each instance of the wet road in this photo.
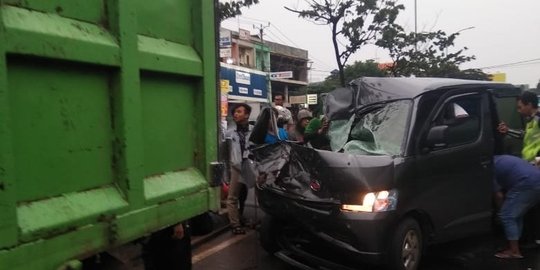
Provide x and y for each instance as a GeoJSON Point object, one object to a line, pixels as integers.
{"type": "Point", "coordinates": [230, 252]}
{"type": "Point", "coordinates": [244, 252]}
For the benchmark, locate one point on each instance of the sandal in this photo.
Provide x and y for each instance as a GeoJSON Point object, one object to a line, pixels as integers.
{"type": "Point", "coordinates": [507, 255]}
{"type": "Point", "coordinates": [238, 230]}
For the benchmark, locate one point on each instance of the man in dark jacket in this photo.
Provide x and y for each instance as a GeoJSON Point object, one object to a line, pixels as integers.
{"type": "Point", "coordinates": [238, 151]}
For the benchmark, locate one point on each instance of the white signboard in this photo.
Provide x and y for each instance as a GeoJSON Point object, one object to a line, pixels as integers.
{"type": "Point", "coordinates": [297, 99]}
{"type": "Point", "coordinates": [312, 99]}
{"type": "Point", "coordinates": [244, 34]}
{"type": "Point", "coordinates": [281, 75]}
{"type": "Point", "coordinates": [225, 40]}
{"type": "Point", "coordinates": [257, 92]}
{"type": "Point", "coordinates": [243, 90]}
{"type": "Point", "coordinates": [225, 53]}
{"type": "Point", "coordinates": [243, 77]}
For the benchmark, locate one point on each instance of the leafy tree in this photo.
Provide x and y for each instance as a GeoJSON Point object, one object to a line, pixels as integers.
{"type": "Point", "coordinates": [357, 69]}
{"type": "Point", "coordinates": [426, 54]}
{"type": "Point", "coordinates": [353, 23]}
{"type": "Point", "coordinates": [232, 9]}
{"type": "Point", "coordinates": [470, 74]}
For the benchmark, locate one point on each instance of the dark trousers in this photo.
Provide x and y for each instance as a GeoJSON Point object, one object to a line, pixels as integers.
{"type": "Point", "coordinates": [162, 252]}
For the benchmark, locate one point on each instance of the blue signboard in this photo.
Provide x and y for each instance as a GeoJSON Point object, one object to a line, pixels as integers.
{"type": "Point", "coordinates": [249, 85]}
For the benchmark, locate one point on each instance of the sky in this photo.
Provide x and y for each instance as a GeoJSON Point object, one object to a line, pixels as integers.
{"type": "Point", "coordinates": [503, 35]}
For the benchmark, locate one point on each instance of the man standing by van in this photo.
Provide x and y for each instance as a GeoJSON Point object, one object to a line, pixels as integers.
{"type": "Point", "coordinates": [520, 182]}
{"type": "Point", "coordinates": [238, 151]}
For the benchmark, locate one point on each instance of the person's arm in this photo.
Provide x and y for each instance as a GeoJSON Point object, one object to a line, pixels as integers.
{"type": "Point", "coordinates": [505, 130]}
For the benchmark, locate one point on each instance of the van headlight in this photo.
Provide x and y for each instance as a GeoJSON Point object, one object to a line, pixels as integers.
{"type": "Point", "coordinates": [381, 201]}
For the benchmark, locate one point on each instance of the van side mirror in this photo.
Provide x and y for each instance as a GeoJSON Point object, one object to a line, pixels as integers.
{"type": "Point", "coordinates": [437, 137]}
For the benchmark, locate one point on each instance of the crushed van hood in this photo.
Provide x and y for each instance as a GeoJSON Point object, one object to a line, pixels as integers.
{"type": "Point", "coordinates": [313, 174]}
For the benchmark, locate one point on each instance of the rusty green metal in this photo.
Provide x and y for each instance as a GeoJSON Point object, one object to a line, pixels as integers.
{"type": "Point", "coordinates": [108, 124]}
{"type": "Point", "coordinates": [8, 213]}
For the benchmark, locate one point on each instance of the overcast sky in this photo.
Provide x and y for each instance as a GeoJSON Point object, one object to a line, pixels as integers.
{"type": "Point", "coordinates": [505, 32]}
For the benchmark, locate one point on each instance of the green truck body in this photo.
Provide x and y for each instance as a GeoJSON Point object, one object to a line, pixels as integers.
{"type": "Point", "coordinates": [108, 124]}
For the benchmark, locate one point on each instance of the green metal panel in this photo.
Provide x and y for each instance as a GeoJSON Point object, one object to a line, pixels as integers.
{"type": "Point", "coordinates": [108, 122]}
{"type": "Point", "coordinates": [84, 10]}
{"type": "Point", "coordinates": [166, 56]}
{"type": "Point", "coordinates": [37, 218]}
{"type": "Point", "coordinates": [34, 33]}
{"type": "Point", "coordinates": [52, 252]}
{"type": "Point", "coordinates": [62, 133]}
{"type": "Point", "coordinates": [206, 100]}
{"type": "Point", "coordinates": [171, 20]}
{"type": "Point", "coordinates": [8, 218]}
{"type": "Point", "coordinates": [168, 120]}
{"type": "Point", "coordinates": [128, 155]}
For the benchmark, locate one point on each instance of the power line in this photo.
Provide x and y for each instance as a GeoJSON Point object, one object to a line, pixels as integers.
{"type": "Point", "coordinates": [520, 65]}
{"type": "Point", "coordinates": [268, 31]}
{"type": "Point", "coordinates": [254, 20]}
{"type": "Point", "coordinates": [510, 64]}
{"type": "Point", "coordinates": [285, 35]}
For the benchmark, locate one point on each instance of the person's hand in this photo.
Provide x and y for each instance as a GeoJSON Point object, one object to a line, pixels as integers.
{"type": "Point", "coordinates": [324, 127]}
{"type": "Point", "coordinates": [178, 231]}
{"type": "Point", "coordinates": [502, 128]}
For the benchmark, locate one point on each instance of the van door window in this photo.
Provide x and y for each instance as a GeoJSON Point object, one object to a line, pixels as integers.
{"type": "Point", "coordinates": [463, 116]}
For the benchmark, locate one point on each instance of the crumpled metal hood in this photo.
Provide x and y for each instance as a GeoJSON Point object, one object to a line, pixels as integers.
{"type": "Point", "coordinates": [293, 169]}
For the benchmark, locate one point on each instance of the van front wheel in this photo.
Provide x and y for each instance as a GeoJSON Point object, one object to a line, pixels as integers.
{"type": "Point", "coordinates": [406, 246]}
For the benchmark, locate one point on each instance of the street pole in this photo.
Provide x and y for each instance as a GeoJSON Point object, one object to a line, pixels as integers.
{"type": "Point", "coordinates": [415, 26]}
{"type": "Point", "coordinates": [459, 31]}
{"type": "Point", "coordinates": [263, 62]}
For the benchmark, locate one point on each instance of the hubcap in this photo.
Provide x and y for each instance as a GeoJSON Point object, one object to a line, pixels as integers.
{"type": "Point", "coordinates": [410, 250]}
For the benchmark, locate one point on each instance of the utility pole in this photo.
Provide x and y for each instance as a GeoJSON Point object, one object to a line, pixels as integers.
{"type": "Point", "coordinates": [415, 26]}
{"type": "Point", "coordinates": [261, 34]}
{"type": "Point", "coordinates": [261, 28]}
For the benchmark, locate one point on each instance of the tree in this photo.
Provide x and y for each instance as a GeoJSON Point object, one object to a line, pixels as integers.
{"type": "Point", "coordinates": [426, 54]}
{"type": "Point", "coordinates": [232, 9]}
{"type": "Point", "coordinates": [471, 74]}
{"type": "Point", "coordinates": [351, 72]}
{"type": "Point", "coordinates": [353, 23]}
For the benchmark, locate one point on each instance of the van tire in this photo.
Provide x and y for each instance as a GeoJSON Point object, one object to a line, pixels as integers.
{"type": "Point", "coordinates": [269, 233]}
{"type": "Point", "coordinates": [405, 251]}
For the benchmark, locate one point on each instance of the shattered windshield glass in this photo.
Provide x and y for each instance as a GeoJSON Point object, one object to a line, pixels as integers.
{"type": "Point", "coordinates": [378, 129]}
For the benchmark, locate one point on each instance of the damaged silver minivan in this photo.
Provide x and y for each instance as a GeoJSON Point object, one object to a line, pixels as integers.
{"type": "Point", "coordinates": [410, 165]}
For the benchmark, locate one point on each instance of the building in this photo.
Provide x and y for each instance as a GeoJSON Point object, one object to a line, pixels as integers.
{"type": "Point", "coordinates": [245, 62]}
{"type": "Point", "coordinates": [253, 70]}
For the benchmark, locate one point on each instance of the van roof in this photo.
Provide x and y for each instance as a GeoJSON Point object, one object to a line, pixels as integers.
{"type": "Point", "coordinates": [341, 102]}
{"type": "Point", "coordinates": [392, 88]}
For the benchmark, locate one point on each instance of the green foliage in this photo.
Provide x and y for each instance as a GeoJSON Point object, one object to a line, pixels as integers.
{"type": "Point", "coordinates": [233, 8]}
{"type": "Point", "coordinates": [426, 54]}
{"type": "Point", "coordinates": [353, 23]}
{"type": "Point", "coordinates": [356, 70]}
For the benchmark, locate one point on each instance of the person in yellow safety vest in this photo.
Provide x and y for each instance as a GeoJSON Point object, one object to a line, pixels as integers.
{"type": "Point", "coordinates": [527, 106]}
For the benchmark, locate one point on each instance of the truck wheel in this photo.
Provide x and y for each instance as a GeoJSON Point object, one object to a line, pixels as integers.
{"type": "Point", "coordinates": [406, 246]}
{"type": "Point", "coordinates": [269, 233]}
